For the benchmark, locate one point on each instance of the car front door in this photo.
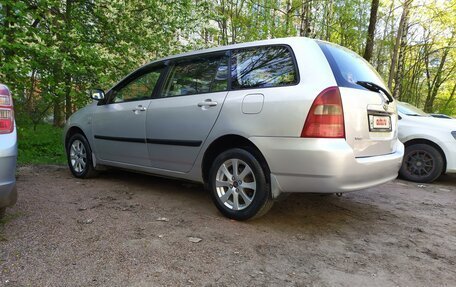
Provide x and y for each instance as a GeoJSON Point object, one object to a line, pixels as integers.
{"type": "Point", "coordinates": [180, 119]}
{"type": "Point", "coordinates": [119, 124]}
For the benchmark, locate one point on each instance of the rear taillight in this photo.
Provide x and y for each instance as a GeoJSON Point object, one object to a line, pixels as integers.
{"type": "Point", "coordinates": [6, 111]}
{"type": "Point", "coordinates": [326, 116]}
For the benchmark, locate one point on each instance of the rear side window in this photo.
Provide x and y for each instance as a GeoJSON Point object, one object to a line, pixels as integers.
{"type": "Point", "coordinates": [197, 77]}
{"type": "Point", "coordinates": [261, 67]}
{"type": "Point", "coordinates": [348, 67]}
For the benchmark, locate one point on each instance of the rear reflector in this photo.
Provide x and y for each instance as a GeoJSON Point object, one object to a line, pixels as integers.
{"type": "Point", "coordinates": [326, 116]}
{"type": "Point", "coordinates": [5, 100]}
{"type": "Point", "coordinates": [6, 111]}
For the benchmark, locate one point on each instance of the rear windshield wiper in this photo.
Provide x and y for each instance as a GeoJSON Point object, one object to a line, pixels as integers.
{"type": "Point", "coordinates": [376, 88]}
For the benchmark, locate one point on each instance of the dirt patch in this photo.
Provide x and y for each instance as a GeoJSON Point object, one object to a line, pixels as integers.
{"type": "Point", "coordinates": [125, 229]}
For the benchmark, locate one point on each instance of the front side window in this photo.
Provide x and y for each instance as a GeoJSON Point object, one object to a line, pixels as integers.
{"type": "Point", "coordinates": [140, 88]}
{"type": "Point", "coordinates": [196, 77]}
{"type": "Point", "coordinates": [262, 67]}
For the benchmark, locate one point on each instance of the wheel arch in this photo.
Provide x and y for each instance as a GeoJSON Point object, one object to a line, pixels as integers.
{"type": "Point", "coordinates": [72, 131]}
{"type": "Point", "coordinates": [431, 143]}
{"type": "Point", "coordinates": [226, 142]}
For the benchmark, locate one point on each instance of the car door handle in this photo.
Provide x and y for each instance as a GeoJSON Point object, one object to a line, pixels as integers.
{"type": "Point", "coordinates": [207, 103]}
{"type": "Point", "coordinates": [139, 109]}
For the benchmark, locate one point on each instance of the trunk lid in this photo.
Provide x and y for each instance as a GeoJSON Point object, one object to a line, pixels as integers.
{"type": "Point", "coordinates": [360, 109]}
{"type": "Point", "coordinates": [370, 116]}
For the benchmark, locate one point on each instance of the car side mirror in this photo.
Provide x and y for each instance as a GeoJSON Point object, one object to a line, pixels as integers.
{"type": "Point", "coordinates": [399, 117]}
{"type": "Point", "coordinates": [97, 94]}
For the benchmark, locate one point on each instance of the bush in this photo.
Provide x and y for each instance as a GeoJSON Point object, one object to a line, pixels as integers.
{"type": "Point", "coordinates": [44, 145]}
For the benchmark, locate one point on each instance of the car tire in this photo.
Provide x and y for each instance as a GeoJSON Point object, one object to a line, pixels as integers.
{"type": "Point", "coordinates": [239, 185]}
{"type": "Point", "coordinates": [79, 155]}
{"type": "Point", "coordinates": [422, 163]}
{"type": "Point", "coordinates": [2, 212]}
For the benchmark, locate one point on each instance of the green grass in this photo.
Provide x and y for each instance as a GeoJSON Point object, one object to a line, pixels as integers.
{"type": "Point", "coordinates": [41, 146]}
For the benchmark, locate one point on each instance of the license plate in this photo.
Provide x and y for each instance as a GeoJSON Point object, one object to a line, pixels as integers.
{"type": "Point", "coordinates": [379, 123]}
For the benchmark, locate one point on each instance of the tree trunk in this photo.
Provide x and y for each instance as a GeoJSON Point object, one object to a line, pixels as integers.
{"type": "Point", "coordinates": [30, 98]}
{"type": "Point", "coordinates": [397, 45]}
{"type": "Point", "coordinates": [287, 18]}
{"type": "Point", "coordinates": [437, 82]}
{"type": "Point", "coordinates": [9, 52]}
{"type": "Point", "coordinates": [66, 49]}
{"type": "Point", "coordinates": [223, 25]}
{"type": "Point", "coordinates": [304, 28]}
{"type": "Point", "coordinates": [450, 99]}
{"type": "Point", "coordinates": [58, 114]}
{"type": "Point", "coordinates": [400, 63]}
{"type": "Point", "coordinates": [371, 31]}
{"type": "Point", "coordinates": [328, 16]}
{"type": "Point", "coordinates": [68, 103]}
{"type": "Point", "coordinates": [272, 28]}
{"type": "Point", "coordinates": [380, 57]}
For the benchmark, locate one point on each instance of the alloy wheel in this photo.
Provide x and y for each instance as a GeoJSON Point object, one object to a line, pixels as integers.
{"type": "Point", "coordinates": [78, 156]}
{"type": "Point", "coordinates": [420, 163]}
{"type": "Point", "coordinates": [235, 184]}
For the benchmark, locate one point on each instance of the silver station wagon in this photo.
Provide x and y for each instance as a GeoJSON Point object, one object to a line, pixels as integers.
{"type": "Point", "coordinates": [250, 121]}
{"type": "Point", "coordinates": [8, 151]}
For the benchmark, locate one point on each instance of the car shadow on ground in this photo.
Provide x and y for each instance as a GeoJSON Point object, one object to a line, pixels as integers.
{"type": "Point", "coordinates": [294, 210]}
{"type": "Point", "coordinates": [447, 180]}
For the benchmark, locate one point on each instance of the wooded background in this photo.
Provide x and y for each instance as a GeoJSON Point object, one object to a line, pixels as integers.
{"type": "Point", "coordinates": [53, 51]}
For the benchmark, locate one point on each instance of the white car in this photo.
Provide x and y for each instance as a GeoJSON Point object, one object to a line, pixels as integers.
{"type": "Point", "coordinates": [430, 144]}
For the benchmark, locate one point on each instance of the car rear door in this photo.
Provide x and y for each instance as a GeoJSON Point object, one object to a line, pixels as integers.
{"type": "Point", "coordinates": [180, 119]}
{"type": "Point", "coordinates": [119, 124]}
{"type": "Point", "coordinates": [370, 117]}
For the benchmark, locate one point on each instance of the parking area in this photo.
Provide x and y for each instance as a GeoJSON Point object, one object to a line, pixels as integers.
{"type": "Point", "coordinates": [126, 229]}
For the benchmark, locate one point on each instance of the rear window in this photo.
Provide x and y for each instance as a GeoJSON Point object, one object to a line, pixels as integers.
{"type": "Point", "coordinates": [262, 67]}
{"type": "Point", "coordinates": [348, 67]}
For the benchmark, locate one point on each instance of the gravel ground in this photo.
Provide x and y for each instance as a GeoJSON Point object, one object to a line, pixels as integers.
{"type": "Point", "coordinates": [125, 229]}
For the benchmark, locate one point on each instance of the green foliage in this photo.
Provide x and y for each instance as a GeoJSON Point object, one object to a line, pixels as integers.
{"type": "Point", "coordinates": [43, 145]}
{"type": "Point", "coordinates": [53, 51]}
{"type": "Point", "coordinates": [429, 36]}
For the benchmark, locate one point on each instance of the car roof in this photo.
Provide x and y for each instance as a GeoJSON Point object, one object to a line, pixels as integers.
{"type": "Point", "coordinates": [277, 41]}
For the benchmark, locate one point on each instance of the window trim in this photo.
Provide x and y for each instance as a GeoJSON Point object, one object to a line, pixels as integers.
{"type": "Point", "coordinates": [168, 63]}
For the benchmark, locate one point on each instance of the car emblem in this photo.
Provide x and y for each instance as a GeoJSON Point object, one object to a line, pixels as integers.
{"type": "Point", "coordinates": [385, 107]}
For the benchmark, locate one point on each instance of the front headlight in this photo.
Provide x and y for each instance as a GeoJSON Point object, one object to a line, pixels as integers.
{"type": "Point", "coordinates": [454, 134]}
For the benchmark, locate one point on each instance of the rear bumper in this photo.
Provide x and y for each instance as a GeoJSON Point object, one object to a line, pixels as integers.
{"type": "Point", "coordinates": [325, 165]}
{"type": "Point", "coordinates": [8, 158]}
